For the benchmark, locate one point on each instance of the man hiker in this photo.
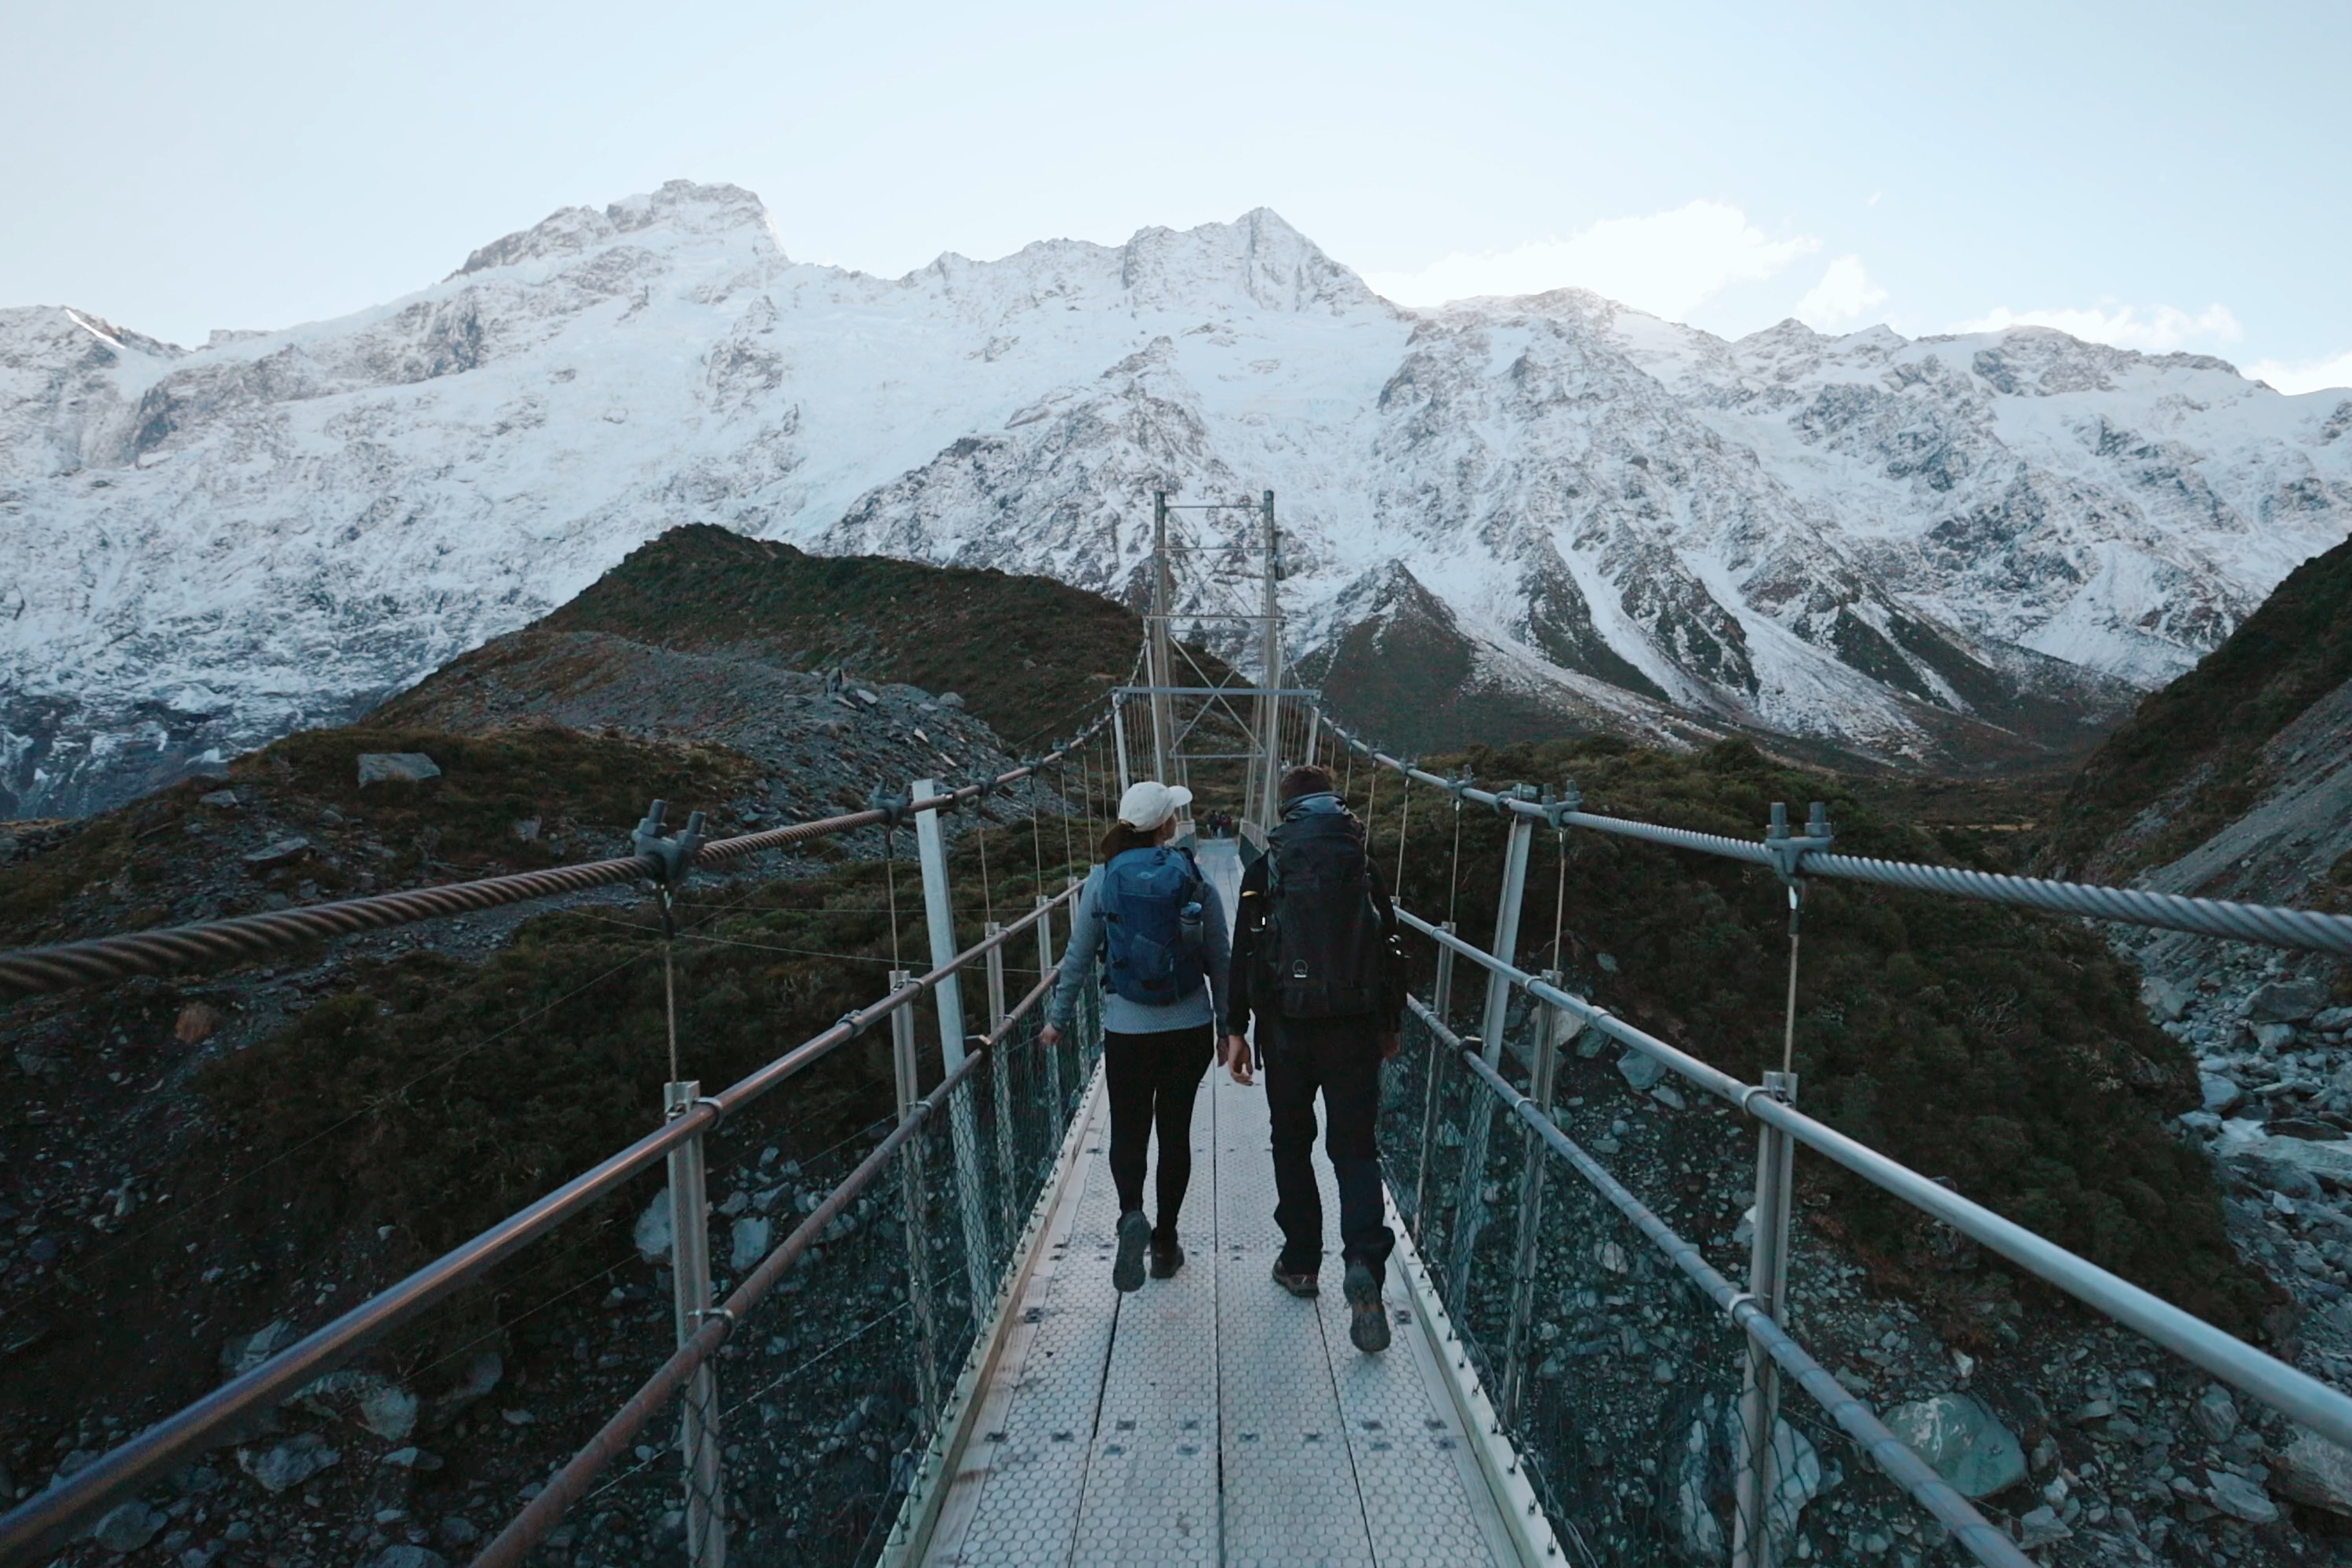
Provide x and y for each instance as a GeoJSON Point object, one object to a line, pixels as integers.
{"type": "Point", "coordinates": [1316, 961]}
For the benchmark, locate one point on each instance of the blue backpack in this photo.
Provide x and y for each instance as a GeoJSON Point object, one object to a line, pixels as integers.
{"type": "Point", "coordinates": [1151, 906]}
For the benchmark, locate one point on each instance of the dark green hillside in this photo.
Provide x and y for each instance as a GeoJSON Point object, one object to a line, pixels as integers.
{"type": "Point", "coordinates": [1027, 654]}
{"type": "Point", "coordinates": [2004, 1051]}
{"type": "Point", "coordinates": [2193, 748]}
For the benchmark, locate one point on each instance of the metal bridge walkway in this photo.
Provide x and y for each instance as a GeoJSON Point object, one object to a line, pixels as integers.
{"type": "Point", "coordinates": [1211, 1418]}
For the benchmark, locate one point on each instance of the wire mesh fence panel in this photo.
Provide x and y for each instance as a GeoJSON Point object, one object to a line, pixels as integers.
{"type": "Point", "coordinates": [1423, 1097]}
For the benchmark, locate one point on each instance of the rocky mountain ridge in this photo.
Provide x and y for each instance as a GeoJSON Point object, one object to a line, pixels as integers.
{"type": "Point", "coordinates": [1922, 551]}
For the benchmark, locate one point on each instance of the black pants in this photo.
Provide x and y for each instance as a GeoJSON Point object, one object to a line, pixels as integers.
{"type": "Point", "coordinates": [1152, 1080]}
{"type": "Point", "coordinates": [1342, 1057]}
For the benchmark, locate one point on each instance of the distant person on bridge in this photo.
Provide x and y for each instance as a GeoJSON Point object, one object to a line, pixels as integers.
{"type": "Point", "coordinates": [1317, 962]}
{"type": "Point", "coordinates": [1160, 934]}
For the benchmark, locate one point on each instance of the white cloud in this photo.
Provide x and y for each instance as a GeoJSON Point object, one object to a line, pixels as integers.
{"type": "Point", "coordinates": [2160, 331]}
{"type": "Point", "coordinates": [1667, 264]}
{"type": "Point", "coordinates": [1846, 293]}
{"type": "Point", "coordinates": [2306, 375]}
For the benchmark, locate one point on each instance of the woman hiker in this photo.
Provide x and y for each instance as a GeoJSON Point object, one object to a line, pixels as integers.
{"type": "Point", "coordinates": [1161, 936]}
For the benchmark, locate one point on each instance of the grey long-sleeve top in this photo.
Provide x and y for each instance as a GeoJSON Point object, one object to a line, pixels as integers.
{"type": "Point", "coordinates": [1121, 1016]}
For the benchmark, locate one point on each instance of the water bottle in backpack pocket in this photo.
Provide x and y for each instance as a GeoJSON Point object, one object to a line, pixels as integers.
{"type": "Point", "coordinates": [1153, 911]}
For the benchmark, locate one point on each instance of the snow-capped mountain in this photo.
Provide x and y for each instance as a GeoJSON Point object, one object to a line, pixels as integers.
{"type": "Point", "coordinates": [1606, 516]}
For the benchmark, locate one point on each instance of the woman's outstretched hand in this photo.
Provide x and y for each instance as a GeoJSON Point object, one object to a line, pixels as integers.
{"type": "Point", "coordinates": [1237, 1060]}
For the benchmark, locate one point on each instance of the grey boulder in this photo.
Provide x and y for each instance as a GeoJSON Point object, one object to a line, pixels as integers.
{"type": "Point", "coordinates": [1640, 1071]}
{"type": "Point", "coordinates": [2315, 1472]}
{"type": "Point", "coordinates": [127, 1526]}
{"type": "Point", "coordinates": [1962, 1441]}
{"type": "Point", "coordinates": [2286, 1002]}
{"type": "Point", "coordinates": [286, 1465]}
{"type": "Point", "coordinates": [2240, 1499]}
{"type": "Point", "coordinates": [399, 767]}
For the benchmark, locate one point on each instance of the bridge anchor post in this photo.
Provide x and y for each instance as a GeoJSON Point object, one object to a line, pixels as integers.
{"type": "Point", "coordinates": [1756, 1469]}
{"type": "Point", "coordinates": [689, 1256]}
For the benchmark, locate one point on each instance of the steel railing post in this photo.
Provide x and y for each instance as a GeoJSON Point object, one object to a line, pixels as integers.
{"type": "Point", "coordinates": [1000, 1083]}
{"type": "Point", "coordinates": [1755, 1471]}
{"type": "Point", "coordinates": [1470, 1212]}
{"type": "Point", "coordinates": [1440, 996]}
{"type": "Point", "coordinates": [689, 1257]}
{"type": "Point", "coordinates": [1552, 1032]}
{"type": "Point", "coordinates": [931, 850]}
{"type": "Point", "coordinates": [914, 1180]}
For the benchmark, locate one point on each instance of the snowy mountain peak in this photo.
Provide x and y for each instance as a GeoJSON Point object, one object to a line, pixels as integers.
{"type": "Point", "coordinates": [680, 207]}
{"type": "Point", "coordinates": [1268, 263]}
{"type": "Point", "coordinates": [1912, 548]}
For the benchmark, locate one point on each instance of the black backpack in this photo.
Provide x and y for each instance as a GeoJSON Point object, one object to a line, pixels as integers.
{"type": "Point", "coordinates": [1322, 949]}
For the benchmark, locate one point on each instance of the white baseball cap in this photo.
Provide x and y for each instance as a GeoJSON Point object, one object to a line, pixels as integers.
{"type": "Point", "coordinates": [1148, 802]}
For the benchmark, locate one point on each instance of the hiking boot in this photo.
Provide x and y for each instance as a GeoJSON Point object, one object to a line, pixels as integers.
{"type": "Point", "coordinates": [1166, 1259]}
{"type": "Point", "coordinates": [1297, 1281]}
{"type": "Point", "coordinates": [1367, 1320]}
{"type": "Point", "coordinates": [1134, 1236]}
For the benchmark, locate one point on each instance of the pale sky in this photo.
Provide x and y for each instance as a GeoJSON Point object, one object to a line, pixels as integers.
{"type": "Point", "coordinates": [2151, 174]}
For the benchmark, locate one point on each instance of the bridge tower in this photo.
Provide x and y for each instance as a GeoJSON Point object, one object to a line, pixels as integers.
{"type": "Point", "coordinates": [1215, 723]}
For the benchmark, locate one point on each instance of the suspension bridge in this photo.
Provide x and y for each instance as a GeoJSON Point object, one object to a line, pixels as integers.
{"type": "Point", "coordinates": [1210, 1418]}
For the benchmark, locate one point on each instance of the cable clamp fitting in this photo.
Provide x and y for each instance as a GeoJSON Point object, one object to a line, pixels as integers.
{"type": "Point", "coordinates": [1789, 853]}
{"type": "Point", "coordinates": [1504, 797]}
{"type": "Point", "coordinates": [1456, 783]}
{"type": "Point", "coordinates": [673, 854]}
{"type": "Point", "coordinates": [701, 1313]}
{"type": "Point", "coordinates": [1557, 809]}
{"type": "Point", "coordinates": [893, 807]}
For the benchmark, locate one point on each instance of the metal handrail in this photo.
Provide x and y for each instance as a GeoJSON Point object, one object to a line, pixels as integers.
{"type": "Point", "coordinates": [46, 1520]}
{"type": "Point", "coordinates": [35, 971]}
{"type": "Point", "coordinates": [2273, 925]}
{"type": "Point", "coordinates": [2296, 1393]}
{"type": "Point", "coordinates": [1984, 1540]}
{"type": "Point", "coordinates": [569, 1484]}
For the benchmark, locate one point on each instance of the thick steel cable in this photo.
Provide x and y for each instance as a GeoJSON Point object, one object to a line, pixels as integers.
{"type": "Point", "coordinates": [2272, 925]}
{"type": "Point", "coordinates": [1983, 1540]}
{"type": "Point", "coordinates": [50, 1518]}
{"type": "Point", "coordinates": [35, 971]}
{"type": "Point", "coordinates": [569, 1484]}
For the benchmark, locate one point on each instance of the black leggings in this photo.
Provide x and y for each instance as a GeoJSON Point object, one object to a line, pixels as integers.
{"type": "Point", "coordinates": [1152, 1078]}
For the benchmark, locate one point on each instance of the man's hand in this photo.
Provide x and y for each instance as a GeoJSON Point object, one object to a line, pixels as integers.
{"type": "Point", "coordinates": [1050, 1035]}
{"type": "Point", "coordinates": [1237, 1060]}
{"type": "Point", "coordinates": [1390, 1046]}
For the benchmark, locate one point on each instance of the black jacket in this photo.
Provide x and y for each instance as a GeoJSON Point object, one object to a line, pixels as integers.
{"type": "Point", "coordinates": [1246, 982]}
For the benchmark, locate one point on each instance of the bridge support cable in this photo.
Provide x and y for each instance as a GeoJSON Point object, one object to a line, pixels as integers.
{"type": "Point", "coordinates": [1985, 1541]}
{"type": "Point", "coordinates": [2270, 925]}
{"type": "Point", "coordinates": [49, 1519]}
{"type": "Point", "coordinates": [38, 971]}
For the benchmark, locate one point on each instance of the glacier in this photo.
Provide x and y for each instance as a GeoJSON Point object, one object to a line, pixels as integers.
{"type": "Point", "coordinates": [1864, 539]}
